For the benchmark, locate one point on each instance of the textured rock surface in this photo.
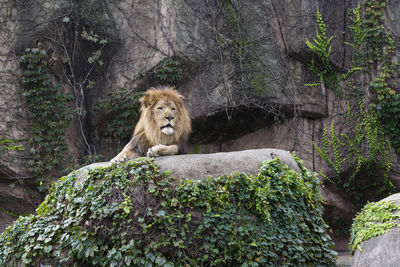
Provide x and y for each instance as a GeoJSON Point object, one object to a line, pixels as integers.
{"type": "Point", "coordinates": [16, 201]}
{"type": "Point", "coordinates": [200, 166]}
{"type": "Point", "coordinates": [382, 250]}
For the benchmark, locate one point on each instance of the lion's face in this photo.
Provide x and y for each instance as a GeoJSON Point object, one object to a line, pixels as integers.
{"type": "Point", "coordinates": [165, 114]}
{"type": "Point", "coordinates": [164, 119]}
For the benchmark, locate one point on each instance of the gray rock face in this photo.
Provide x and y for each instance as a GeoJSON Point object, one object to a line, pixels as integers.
{"type": "Point", "coordinates": [383, 250]}
{"type": "Point", "coordinates": [16, 201]}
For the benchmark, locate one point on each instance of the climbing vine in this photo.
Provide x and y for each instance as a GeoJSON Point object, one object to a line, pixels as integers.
{"type": "Point", "coordinates": [379, 52]}
{"type": "Point", "coordinates": [7, 144]}
{"type": "Point", "coordinates": [363, 144]}
{"type": "Point", "coordinates": [125, 108]}
{"type": "Point", "coordinates": [70, 49]}
{"type": "Point", "coordinates": [49, 116]}
{"type": "Point", "coordinates": [321, 47]}
{"type": "Point", "coordinates": [357, 29]}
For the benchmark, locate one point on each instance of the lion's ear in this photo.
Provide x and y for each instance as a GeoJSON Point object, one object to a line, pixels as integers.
{"type": "Point", "coordinates": [145, 100]}
{"type": "Point", "coordinates": [180, 98]}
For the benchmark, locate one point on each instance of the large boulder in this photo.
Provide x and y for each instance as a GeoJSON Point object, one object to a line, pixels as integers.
{"type": "Point", "coordinates": [376, 234]}
{"type": "Point", "coordinates": [201, 166]}
{"type": "Point", "coordinates": [134, 214]}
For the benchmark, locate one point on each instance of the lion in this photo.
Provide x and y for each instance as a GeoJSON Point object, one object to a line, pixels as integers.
{"type": "Point", "coordinates": [163, 127]}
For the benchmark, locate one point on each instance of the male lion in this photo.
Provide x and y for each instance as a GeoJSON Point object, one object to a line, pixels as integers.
{"type": "Point", "coordinates": [163, 127]}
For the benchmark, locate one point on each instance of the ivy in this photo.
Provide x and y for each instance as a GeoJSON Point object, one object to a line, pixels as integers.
{"type": "Point", "coordinates": [362, 145]}
{"type": "Point", "coordinates": [7, 144]}
{"type": "Point", "coordinates": [379, 52]}
{"type": "Point", "coordinates": [49, 116]}
{"type": "Point", "coordinates": [321, 47]}
{"type": "Point", "coordinates": [374, 219]}
{"type": "Point", "coordinates": [125, 108]}
{"type": "Point", "coordinates": [168, 71]}
{"type": "Point", "coordinates": [133, 215]}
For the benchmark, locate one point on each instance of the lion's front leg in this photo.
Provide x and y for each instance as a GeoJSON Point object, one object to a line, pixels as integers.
{"type": "Point", "coordinates": [162, 150]}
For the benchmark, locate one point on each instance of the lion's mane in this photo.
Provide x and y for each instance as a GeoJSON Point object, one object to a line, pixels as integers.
{"type": "Point", "coordinates": [147, 134]}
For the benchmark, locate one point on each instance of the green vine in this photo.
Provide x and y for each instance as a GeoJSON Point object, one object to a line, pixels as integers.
{"type": "Point", "coordinates": [7, 144]}
{"type": "Point", "coordinates": [49, 116]}
{"type": "Point", "coordinates": [133, 215]}
{"type": "Point", "coordinates": [379, 52]}
{"type": "Point", "coordinates": [374, 219]}
{"type": "Point", "coordinates": [322, 49]}
{"type": "Point", "coordinates": [357, 29]}
{"type": "Point", "coordinates": [168, 71]}
{"type": "Point", "coordinates": [363, 145]}
{"type": "Point", "coordinates": [125, 108]}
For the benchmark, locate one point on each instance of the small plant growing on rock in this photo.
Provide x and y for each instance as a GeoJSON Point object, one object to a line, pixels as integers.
{"type": "Point", "coordinates": [125, 106]}
{"type": "Point", "coordinates": [321, 46]}
{"type": "Point", "coordinates": [168, 71]}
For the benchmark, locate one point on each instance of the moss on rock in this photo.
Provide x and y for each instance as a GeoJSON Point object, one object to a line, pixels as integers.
{"type": "Point", "coordinates": [133, 215]}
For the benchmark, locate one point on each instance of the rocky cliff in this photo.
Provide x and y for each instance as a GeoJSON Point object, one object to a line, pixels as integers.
{"type": "Point", "coordinates": [242, 66]}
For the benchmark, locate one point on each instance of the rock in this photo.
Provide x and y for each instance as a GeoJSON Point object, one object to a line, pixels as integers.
{"type": "Point", "coordinates": [132, 214]}
{"type": "Point", "coordinates": [15, 201]}
{"type": "Point", "coordinates": [201, 166]}
{"type": "Point", "coordinates": [382, 250]}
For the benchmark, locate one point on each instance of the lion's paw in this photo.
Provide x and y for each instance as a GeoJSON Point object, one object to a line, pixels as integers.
{"type": "Point", "coordinates": [155, 150]}
{"type": "Point", "coordinates": [151, 153]}
{"type": "Point", "coordinates": [118, 159]}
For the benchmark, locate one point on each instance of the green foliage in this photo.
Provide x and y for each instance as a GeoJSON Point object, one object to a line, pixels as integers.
{"type": "Point", "coordinates": [379, 52]}
{"type": "Point", "coordinates": [133, 215]}
{"type": "Point", "coordinates": [379, 43]}
{"type": "Point", "coordinates": [322, 49]}
{"type": "Point", "coordinates": [362, 145]}
{"type": "Point", "coordinates": [357, 29]}
{"type": "Point", "coordinates": [168, 71]}
{"type": "Point", "coordinates": [7, 144]}
{"type": "Point", "coordinates": [49, 116]}
{"type": "Point", "coordinates": [94, 38]}
{"type": "Point", "coordinates": [125, 107]}
{"type": "Point", "coordinates": [388, 106]}
{"type": "Point", "coordinates": [11, 213]}
{"type": "Point", "coordinates": [373, 220]}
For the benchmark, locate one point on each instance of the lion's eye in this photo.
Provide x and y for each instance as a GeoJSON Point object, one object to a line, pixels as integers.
{"type": "Point", "coordinates": [173, 109]}
{"type": "Point", "coordinates": [160, 108]}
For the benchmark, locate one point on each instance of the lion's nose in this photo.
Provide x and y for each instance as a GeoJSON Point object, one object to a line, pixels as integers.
{"type": "Point", "coordinates": [169, 118]}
